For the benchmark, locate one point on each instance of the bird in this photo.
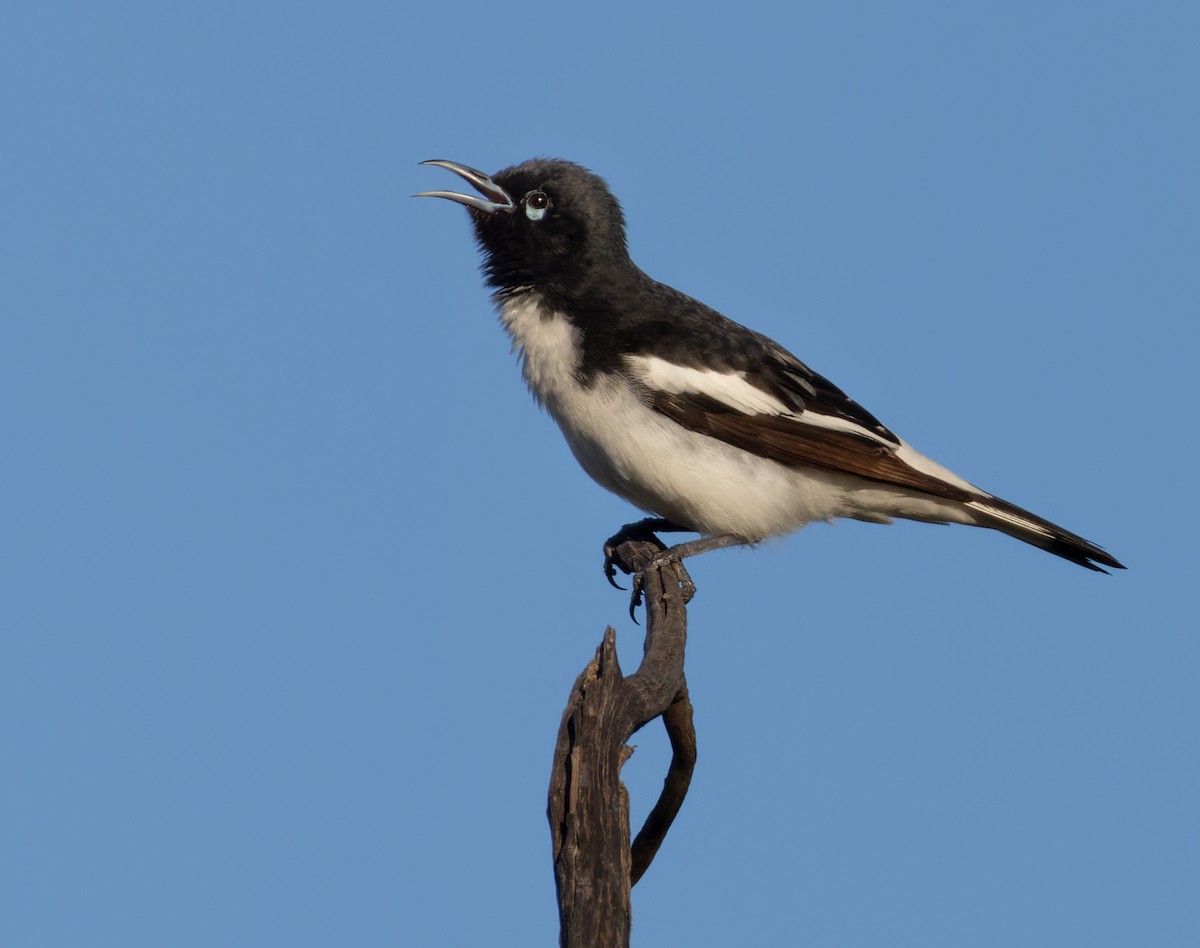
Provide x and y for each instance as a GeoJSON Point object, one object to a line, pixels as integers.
{"type": "Point", "coordinates": [697, 420]}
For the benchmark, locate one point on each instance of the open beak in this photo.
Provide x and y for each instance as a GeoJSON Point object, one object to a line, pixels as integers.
{"type": "Point", "coordinates": [494, 200]}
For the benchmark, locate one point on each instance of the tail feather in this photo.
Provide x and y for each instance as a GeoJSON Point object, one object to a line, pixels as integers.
{"type": "Point", "coordinates": [1016, 522]}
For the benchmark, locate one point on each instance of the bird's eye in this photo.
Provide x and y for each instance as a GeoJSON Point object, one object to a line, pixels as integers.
{"type": "Point", "coordinates": [537, 203]}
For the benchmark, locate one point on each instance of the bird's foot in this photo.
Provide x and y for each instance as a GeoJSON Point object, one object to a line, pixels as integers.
{"type": "Point", "coordinates": [618, 556]}
{"type": "Point", "coordinates": [644, 531]}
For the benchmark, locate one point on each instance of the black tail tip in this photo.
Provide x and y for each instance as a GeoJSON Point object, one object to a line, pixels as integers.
{"type": "Point", "coordinates": [1089, 556]}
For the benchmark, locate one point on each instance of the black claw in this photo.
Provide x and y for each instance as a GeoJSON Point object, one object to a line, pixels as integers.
{"type": "Point", "coordinates": [610, 566]}
{"type": "Point", "coordinates": [635, 599]}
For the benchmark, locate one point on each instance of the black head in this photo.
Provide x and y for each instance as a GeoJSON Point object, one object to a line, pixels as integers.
{"type": "Point", "coordinates": [544, 223]}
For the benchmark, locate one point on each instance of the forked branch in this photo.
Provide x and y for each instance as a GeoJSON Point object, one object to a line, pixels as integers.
{"type": "Point", "coordinates": [594, 864]}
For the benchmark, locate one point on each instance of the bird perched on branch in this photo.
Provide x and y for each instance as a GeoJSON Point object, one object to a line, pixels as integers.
{"type": "Point", "coordinates": [707, 425]}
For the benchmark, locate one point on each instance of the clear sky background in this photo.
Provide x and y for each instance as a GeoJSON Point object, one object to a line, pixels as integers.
{"type": "Point", "coordinates": [295, 578]}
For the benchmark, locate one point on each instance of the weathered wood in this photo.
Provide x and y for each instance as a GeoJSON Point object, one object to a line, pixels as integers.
{"type": "Point", "coordinates": [588, 810]}
{"type": "Point", "coordinates": [678, 721]}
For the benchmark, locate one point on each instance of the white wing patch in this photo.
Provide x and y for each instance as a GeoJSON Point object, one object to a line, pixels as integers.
{"type": "Point", "coordinates": [729, 388]}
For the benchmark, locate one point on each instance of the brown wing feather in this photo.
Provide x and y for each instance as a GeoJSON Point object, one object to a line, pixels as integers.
{"type": "Point", "coordinates": [788, 441]}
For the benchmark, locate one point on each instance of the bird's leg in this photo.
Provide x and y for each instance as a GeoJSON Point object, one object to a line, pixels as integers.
{"type": "Point", "coordinates": [642, 530]}
{"type": "Point", "coordinates": [681, 551]}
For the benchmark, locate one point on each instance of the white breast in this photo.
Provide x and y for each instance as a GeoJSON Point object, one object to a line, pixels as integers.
{"type": "Point", "coordinates": [546, 343]}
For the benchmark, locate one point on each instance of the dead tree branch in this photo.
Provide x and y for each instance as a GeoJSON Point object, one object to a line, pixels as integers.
{"type": "Point", "coordinates": [594, 864]}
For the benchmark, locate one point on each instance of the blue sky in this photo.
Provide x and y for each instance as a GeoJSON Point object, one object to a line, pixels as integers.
{"type": "Point", "coordinates": [296, 578]}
